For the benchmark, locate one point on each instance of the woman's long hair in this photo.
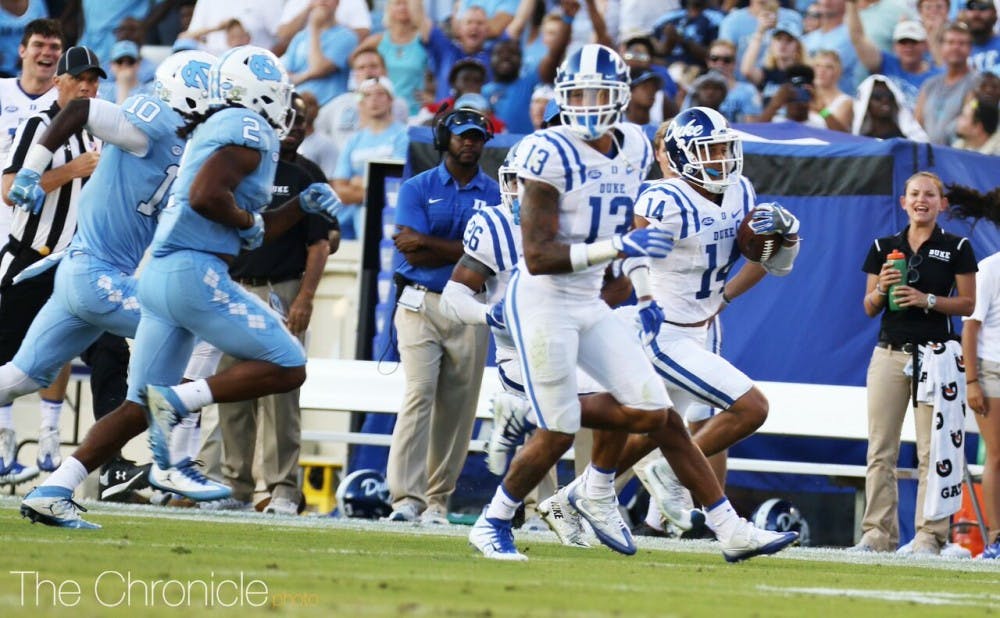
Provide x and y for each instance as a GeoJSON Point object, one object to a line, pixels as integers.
{"type": "Point", "coordinates": [968, 203]}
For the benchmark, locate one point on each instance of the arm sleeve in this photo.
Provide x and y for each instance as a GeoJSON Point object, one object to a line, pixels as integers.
{"type": "Point", "coordinates": [458, 303]}
{"type": "Point", "coordinates": [113, 125]}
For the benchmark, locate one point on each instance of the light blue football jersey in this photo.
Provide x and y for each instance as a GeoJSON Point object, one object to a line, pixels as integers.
{"type": "Point", "coordinates": [180, 226]}
{"type": "Point", "coordinates": [121, 201]}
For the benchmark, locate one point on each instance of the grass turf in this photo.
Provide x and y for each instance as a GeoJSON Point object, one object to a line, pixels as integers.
{"type": "Point", "coordinates": [322, 567]}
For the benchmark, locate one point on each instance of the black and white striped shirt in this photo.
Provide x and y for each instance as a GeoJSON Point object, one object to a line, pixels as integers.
{"type": "Point", "coordinates": [35, 236]}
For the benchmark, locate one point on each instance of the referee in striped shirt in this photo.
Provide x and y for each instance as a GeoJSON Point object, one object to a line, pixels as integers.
{"type": "Point", "coordinates": [36, 235]}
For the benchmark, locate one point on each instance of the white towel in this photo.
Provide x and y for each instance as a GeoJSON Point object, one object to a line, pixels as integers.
{"type": "Point", "coordinates": [942, 384]}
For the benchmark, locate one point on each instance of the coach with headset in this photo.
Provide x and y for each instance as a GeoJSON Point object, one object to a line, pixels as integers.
{"type": "Point", "coordinates": [442, 359]}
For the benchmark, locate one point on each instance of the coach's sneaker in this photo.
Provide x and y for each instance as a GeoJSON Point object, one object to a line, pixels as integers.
{"type": "Point", "coordinates": [120, 477]}
{"type": "Point", "coordinates": [185, 479]}
{"type": "Point", "coordinates": [49, 456]}
{"type": "Point", "coordinates": [604, 518]}
{"type": "Point", "coordinates": [282, 506]}
{"type": "Point", "coordinates": [749, 541]}
{"type": "Point", "coordinates": [563, 519]}
{"type": "Point", "coordinates": [494, 538]}
{"type": "Point", "coordinates": [673, 499]}
{"type": "Point", "coordinates": [509, 428]}
{"type": "Point", "coordinates": [164, 411]}
{"type": "Point", "coordinates": [54, 506]}
{"type": "Point", "coordinates": [226, 504]}
{"type": "Point", "coordinates": [406, 512]}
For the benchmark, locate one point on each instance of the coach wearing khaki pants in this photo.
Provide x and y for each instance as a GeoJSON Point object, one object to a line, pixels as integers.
{"type": "Point", "coordinates": [938, 264]}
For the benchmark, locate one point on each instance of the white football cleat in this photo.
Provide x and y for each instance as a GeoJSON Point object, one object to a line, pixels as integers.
{"type": "Point", "coordinates": [749, 541]}
{"type": "Point", "coordinates": [8, 450]}
{"type": "Point", "coordinates": [54, 506]}
{"type": "Point", "coordinates": [185, 479]}
{"type": "Point", "coordinates": [164, 410]}
{"type": "Point", "coordinates": [509, 428]}
{"type": "Point", "coordinates": [49, 457]}
{"type": "Point", "coordinates": [563, 519]}
{"type": "Point", "coordinates": [673, 499]}
{"type": "Point", "coordinates": [494, 538]}
{"type": "Point", "coordinates": [604, 518]}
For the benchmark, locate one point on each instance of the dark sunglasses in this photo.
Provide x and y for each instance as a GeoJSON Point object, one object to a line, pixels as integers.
{"type": "Point", "coordinates": [815, 14]}
{"type": "Point", "coordinates": [127, 61]}
{"type": "Point", "coordinates": [912, 274]}
{"type": "Point", "coordinates": [722, 59]}
{"type": "Point", "coordinates": [979, 6]}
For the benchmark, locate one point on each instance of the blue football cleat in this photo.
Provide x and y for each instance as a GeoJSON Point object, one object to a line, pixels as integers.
{"type": "Point", "coordinates": [164, 410]}
{"type": "Point", "coordinates": [185, 479]}
{"type": "Point", "coordinates": [494, 538]}
{"type": "Point", "coordinates": [54, 506]}
{"type": "Point", "coordinates": [749, 541]}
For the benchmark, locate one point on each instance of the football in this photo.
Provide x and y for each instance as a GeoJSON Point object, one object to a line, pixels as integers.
{"type": "Point", "coordinates": [756, 247]}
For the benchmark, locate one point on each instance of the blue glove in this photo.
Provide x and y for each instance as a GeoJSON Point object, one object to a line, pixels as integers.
{"type": "Point", "coordinates": [26, 192]}
{"type": "Point", "coordinates": [319, 199]}
{"type": "Point", "coordinates": [650, 318]}
{"type": "Point", "coordinates": [645, 241]}
{"type": "Point", "coordinates": [494, 317]}
{"type": "Point", "coordinates": [253, 236]}
{"type": "Point", "coordinates": [772, 218]}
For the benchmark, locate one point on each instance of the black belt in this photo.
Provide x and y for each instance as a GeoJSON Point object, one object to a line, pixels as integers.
{"type": "Point", "coordinates": [401, 282]}
{"type": "Point", "coordinates": [894, 347]}
{"type": "Point", "coordinates": [692, 324]}
{"type": "Point", "coordinates": [258, 282]}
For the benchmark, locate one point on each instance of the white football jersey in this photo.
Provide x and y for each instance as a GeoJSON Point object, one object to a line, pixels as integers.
{"type": "Point", "coordinates": [16, 107]}
{"type": "Point", "coordinates": [597, 192]}
{"type": "Point", "coordinates": [492, 237]}
{"type": "Point", "coordinates": [688, 283]}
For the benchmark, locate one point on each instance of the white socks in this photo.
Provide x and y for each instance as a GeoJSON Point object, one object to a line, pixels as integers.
{"type": "Point", "coordinates": [69, 475]}
{"type": "Point", "coordinates": [194, 395]}
{"type": "Point", "coordinates": [502, 506]}
{"type": "Point", "coordinates": [7, 416]}
{"type": "Point", "coordinates": [599, 484]}
{"type": "Point", "coordinates": [654, 519]}
{"type": "Point", "coordinates": [184, 435]}
{"type": "Point", "coordinates": [722, 518]}
{"type": "Point", "coordinates": [50, 411]}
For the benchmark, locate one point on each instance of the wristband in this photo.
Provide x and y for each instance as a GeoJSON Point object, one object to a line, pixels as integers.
{"type": "Point", "coordinates": [967, 382]}
{"type": "Point", "coordinates": [37, 158]}
{"type": "Point", "coordinates": [578, 256]}
{"type": "Point", "coordinates": [825, 113]}
{"type": "Point", "coordinates": [725, 299]}
{"type": "Point", "coordinates": [881, 292]}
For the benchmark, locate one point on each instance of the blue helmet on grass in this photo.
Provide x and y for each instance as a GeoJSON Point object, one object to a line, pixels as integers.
{"type": "Point", "coordinates": [364, 494]}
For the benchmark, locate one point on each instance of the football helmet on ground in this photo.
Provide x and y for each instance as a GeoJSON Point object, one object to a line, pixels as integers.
{"type": "Point", "coordinates": [364, 494]}
{"type": "Point", "coordinates": [781, 516]}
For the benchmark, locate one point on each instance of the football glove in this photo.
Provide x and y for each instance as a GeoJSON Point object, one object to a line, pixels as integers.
{"type": "Point", "coordinates": [26, 192]}
{"type": "Point", "coordinates": [495, 318]}
{"type": "Point", "coordinates": [645, 241]}
{"type": "Point", "coordinates": [650, 319]}
{"type": "Point", "coordinates": [319, 199]}
{"type": "Point", "coordinates": [253, 236]}
{"type": "Point", "coordinates": [773, 218]}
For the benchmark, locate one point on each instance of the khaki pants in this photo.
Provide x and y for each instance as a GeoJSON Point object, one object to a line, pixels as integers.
{"type": "Point", "coordinates": [888, 396]}
{"type": "Point", "coordinates": [273, 424]}
{"type": "Point", "coordinates": [443, 362]}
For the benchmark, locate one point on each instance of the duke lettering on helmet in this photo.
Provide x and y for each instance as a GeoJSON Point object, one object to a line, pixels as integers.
{"type": "Point", "coordinates": [689, 144]}
{"type": "Point", "coordinates": [364, 494]}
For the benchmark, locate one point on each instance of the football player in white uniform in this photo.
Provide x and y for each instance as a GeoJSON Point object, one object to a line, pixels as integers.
{"type": "Point", "coordinates": [703, 206]}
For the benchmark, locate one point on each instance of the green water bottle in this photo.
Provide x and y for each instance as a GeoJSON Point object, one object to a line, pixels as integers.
{"type": "Point", "coordinates": [898, 260]}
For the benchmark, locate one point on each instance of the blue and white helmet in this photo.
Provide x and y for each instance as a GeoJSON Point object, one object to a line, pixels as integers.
{"type": "Point", "coordinates": [592, 90]}
{"type": "Point", "coordinates": [253, 77]}
{"type": "Point", "coordinates": [507, 177]}
{"type": "Point", "coordinates": [781, 516]}
{"type": "Point", "coordinates": [691, 141]}
{"type": "Point", "coordinates": [182, 81]}
{"type": "Point", "coordinates": [364, 494]}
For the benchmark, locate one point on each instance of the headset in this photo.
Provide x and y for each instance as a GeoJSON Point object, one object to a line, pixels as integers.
{"type": "Point", "coordinates": [442, 130]}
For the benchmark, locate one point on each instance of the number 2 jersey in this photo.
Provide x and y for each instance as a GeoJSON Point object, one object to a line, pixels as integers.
{"type": "Point", "coordinates": [180, 226]}
{"type": "Point", "coordinates": [597, 192]}
{"type": "Point", "coordinates": [688, 283]}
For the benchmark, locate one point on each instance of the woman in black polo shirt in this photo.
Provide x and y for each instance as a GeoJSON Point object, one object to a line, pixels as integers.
{"type": "Point", "coordinates": [938, 263]}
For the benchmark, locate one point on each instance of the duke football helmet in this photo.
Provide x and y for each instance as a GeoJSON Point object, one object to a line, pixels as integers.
{"type": "Point", "coordinates": [592, 89]}
{"type": "Point", "coordinates": [781, 516]}
{"type": "Point", "coordinates": [507, 175]}
{"type": "Point", "coordinates": [253, 77]}
{"type": "Point", "coordinates": [691, 141]}
{"type": "Point", "coordinates": [364, 494]}
{"type": "Point", "coordinates": [182, 81]}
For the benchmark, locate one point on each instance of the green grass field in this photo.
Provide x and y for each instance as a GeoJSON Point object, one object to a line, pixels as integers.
{"type": "Point", "coordinates": [324, 567]}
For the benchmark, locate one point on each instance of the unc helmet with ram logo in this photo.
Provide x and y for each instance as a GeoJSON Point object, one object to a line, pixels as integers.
{"type": "Point", "coordinates": [592, 90]}
{"type": "Point", "coordinates": [254, 78]}
{"type": "Point", "coordinates": [364, 494]}
{"type": "Point", "coordinates": [182, 81]}
{"type": "Point", "coordinates": [691, 143]}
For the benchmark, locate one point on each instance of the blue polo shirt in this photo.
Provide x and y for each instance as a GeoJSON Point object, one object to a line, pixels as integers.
{"type": "Point", "coordinates": [432, 203]}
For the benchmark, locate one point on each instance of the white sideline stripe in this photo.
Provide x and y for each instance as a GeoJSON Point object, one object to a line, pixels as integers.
{"type": "Point", "coordinates": [895, 596]}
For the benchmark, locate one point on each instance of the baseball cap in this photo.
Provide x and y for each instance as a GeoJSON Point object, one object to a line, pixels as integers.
{"type": "Point", "coordinates": [789, 27]}
{"type": "Point", "coordinates": [124, 49]}
{"type": "Point", "coordinates": [184, 45]}
{"type": "Point", "coordinates": [473, 100]}
{"type": "Point", "coordinates": [909, 29]}
{"type": "Point", "coordinates": [979, 5]}
{"type": "Point", "coordinates": [78, 59]}
{"type": "Point", "coordinates": [710, 77]}
{"type": "Point", "coordinates": [646, 76]}
{"type": "Point", "coordinates": [461, 121]}
{"type": "Point", "coordinates": [377, 82]}
{"type": "Point", "coordinates": [543, 91]}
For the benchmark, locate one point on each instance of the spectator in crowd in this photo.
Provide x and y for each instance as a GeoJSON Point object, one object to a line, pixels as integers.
{"type": "Point", "coordinates": [209, 21]}
{"type": "Point", "coordinates": [536, 29]}
{"type": "Point", "coordinates": [794, 98]}
{"type": "Point", "coordinates": [811, 19]}
{"type": "Point", "coordinates": [879, 19]}
{"type": "Point", "coordinates": [442, 359]}
{"type": "Point", "coordinates": [283, 273]}
{"type": "Point", "coordinates": [380, 137]}
{"type": "Point", "coordinates": [741, 25]}
{"type": "Point", "coordinates": [402, 54]}
{"type": "Point", "coordinates": [499, 14]}
{"type": "Point", "coordinates": [317, 146]}
{"type": "Point", "coordinates": [476, 101]}
{"type": "Point", "coordinates": [927, 302]}
{"type": "Point", "coordinates": [907, 65]}
{"type": "Point", "coordinates": [597, 24]}
{"type": "Point", "coordinates": [644, 87]}
{"type": "Point", "coordinates": [470, 37]}
{"type": "Point", "coordinates": [981, 17]}
{"type": "Point", "coordinates": [467, 76]}
{"type": "Point", "coordinates": [509, 88]}
{"type": "Point", "coordinates": [353, 14]}
{"type": "Point", "coordinates": [124, 68]}
{"type": "Point", "coordinates": [833, 34]}
{"type": "Point", "coordinates": [638, 14]}
{"type": "Point", "coordinates": [638, 52]}
{"type": "Point", "coordinates": [316, 58]}
{"type": "Point", "coordinates": [934, 18]}
{"type": "Point", "coordinates": [685, 34]}
{"type": "Point", "coordinates": [988, 88]}
{"type": "Point", "coordinates": [742, 102]}
{"type": "Point", "coordinates": [941, 97]}
{"type": "Point", "coordinates": [14, 18]}
{"type": "Point", "coordinates": [340, 119]}
{"type": "Point", "coordinates": [36, 234]}
{"type": "Point", "coordinates": [783, 51]}
{"type": "Point", "coordinates": [540, 98]}
{"type": "Point", "coordinates": [981, 352]}
{"type": "Point", "coordinates": [832, 104]}
{"type": "Point", "coordinates": [236, 34]}
{"type": "Point", "coordinates": [977, 127]}
{"type": "Point", "coordinates": [880, 111]}
{"type": "Point", "coordinates": [101, 20]}
{"type": "Point", "coordinates": [709, 90]}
